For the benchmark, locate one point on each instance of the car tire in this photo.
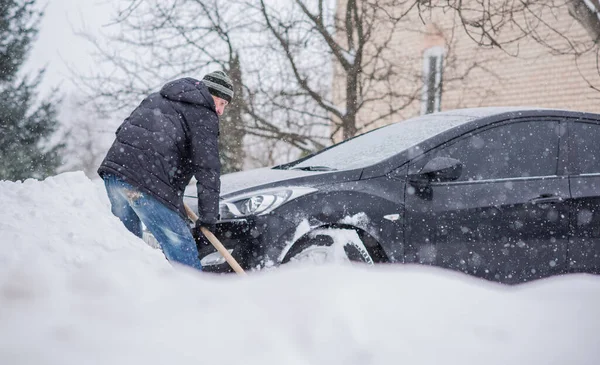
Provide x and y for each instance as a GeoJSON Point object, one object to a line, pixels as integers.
{"type": "Point", "coordinates": [330, 245]}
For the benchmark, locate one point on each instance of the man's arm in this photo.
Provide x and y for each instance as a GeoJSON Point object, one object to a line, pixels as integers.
{"type": "Point", "coordinates": [205, 158]}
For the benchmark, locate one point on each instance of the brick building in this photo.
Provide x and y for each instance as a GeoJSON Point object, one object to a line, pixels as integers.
{"type": "Point", "coordinates": [450, 70]}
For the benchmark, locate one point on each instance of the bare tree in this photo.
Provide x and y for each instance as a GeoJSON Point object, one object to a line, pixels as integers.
{"type": "Point", "coordinates": [503, 24]}
{"type": "Point", "coordinates": [85, 137]}
{"type": "Point", "coordinates": [287, 60]}
{"type": "Point", "coordinates": [373, 78]}
{"type": "Point", "coordinates": [156, 41]}
{"type": "Point", "coordinates": [587, 12]}
{"type": "Point", "coordinates": [346, 36]}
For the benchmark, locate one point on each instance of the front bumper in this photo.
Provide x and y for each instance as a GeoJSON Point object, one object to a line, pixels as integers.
{"type": "Point", "coordinates": [255, 242]}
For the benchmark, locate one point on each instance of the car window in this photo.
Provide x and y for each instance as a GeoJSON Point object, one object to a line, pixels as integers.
{"type": "Point", "coordinates": [585, 148]}
{"type": "Point", "coordinates": [513, 150]}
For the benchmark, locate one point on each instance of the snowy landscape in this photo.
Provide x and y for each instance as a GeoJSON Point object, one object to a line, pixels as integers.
{"type": "Point", "coordinates": [77, 288]}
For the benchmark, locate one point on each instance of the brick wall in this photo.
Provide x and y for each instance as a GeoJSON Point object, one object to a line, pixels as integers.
{"type": "Point", "coordinates": [535, 77]}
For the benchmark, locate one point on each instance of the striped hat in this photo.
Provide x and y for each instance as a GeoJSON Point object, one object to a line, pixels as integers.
{"type": "Point", "coordinates": [219, 85]}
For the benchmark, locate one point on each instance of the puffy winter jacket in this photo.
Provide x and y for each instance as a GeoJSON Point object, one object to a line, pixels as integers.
{"type": "Point", "coordinates": [170, 137]}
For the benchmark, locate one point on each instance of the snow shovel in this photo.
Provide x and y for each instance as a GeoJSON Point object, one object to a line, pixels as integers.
{"type": "Point", "coordinates": [216, 243]}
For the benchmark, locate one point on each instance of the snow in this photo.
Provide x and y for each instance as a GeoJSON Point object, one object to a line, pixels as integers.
{"type": "Point", "coordinates": [302, 229]}
{"type": "Point", "coordinates": [349, 55]}
{"type": "Point", "coordinates": [377, 145]}
{"type": "Point", "coordinates": [236, 181]}
{"type": "Point", "coordinates": [336, 252]}
{"type": "Point", "coordinates": [77, 288]}
{"type": "Point", "coordinates": [592, 8]}
{"type": "Point", "coordinates": [360, 220]}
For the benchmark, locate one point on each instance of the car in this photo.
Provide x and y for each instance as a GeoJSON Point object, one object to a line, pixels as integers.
{"type": "Point", "coordinates": [504, 194]}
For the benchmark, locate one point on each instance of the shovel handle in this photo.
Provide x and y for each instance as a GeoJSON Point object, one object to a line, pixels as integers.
{"type": "Point", "coordinates": [216, 243]}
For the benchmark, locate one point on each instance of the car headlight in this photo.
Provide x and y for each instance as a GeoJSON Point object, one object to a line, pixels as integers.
{"type": "Point", "coordinates": [259, 202]}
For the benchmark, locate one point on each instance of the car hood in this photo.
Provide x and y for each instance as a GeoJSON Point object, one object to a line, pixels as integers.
{"type": "Point", "coordinates": [264, 178]}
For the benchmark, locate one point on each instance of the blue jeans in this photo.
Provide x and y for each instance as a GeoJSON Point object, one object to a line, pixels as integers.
{"type": "Point", "coordinates": [170, 230]}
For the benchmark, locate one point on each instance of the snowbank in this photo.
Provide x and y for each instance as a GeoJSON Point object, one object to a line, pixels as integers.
{"type": "Point", "coordinates": [77, 288]}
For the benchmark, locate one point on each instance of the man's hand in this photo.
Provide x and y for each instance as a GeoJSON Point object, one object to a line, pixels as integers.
{"type": "Point", "coordinates": [199, 236]}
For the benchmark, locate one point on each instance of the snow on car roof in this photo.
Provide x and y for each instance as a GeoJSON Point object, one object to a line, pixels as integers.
{"type": "Point", "coordinates": [488, 111]}
{"type": "Point", "coordinates": [379, 144]}
{"type": "Point", "coordinates": [382, 143]}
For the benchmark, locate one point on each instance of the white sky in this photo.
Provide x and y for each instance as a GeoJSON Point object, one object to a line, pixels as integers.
{"type": "Point", "coordinates": [58, 47]}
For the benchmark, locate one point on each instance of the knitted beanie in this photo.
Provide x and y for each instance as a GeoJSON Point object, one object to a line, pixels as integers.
{"type": "Point", "coordinates": [219, 85]}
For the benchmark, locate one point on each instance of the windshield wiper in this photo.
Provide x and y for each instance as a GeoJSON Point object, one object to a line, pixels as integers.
{"type": "Point", "coordinates": [313, 168]}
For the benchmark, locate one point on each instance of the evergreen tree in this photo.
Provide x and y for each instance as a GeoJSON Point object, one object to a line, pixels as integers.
{"type": "Point", "coordinates": [26, 125]}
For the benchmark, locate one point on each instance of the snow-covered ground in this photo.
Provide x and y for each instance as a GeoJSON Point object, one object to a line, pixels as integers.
{"type": "Point", "coordinates": [77, 288]}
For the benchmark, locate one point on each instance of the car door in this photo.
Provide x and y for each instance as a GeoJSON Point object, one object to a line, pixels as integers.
{"type": "Point", "coordinates": [584, 176]}
{"type": "Point", "coordinates": [506, 217]}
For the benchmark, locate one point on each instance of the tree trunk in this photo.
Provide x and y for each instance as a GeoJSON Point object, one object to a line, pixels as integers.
{"type": "Point", "coordinates": [587, 16]}
{"type": "Point", "coordinates": [231, 139]}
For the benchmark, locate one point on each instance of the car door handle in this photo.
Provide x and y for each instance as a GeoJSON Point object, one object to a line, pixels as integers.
{"type": "Point", "coordinates": [546, 199]}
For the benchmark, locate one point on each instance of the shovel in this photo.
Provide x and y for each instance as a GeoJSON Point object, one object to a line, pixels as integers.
{"type": "Point", "coordinates": [216, 243]}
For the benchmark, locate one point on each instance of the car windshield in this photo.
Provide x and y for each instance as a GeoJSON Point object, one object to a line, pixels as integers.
{"type": "Point", "coordinates": [380, 144]}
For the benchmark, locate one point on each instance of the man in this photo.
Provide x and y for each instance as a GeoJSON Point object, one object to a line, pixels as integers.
{"type": "Point", "coordinates": [170, 137]}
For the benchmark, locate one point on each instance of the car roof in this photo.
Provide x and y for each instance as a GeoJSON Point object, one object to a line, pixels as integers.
{"type": "Point", "coordinates": [459, 121]}
{"type": "Point", "coordinates": [427, 128]}
{"type": "Point", "coordinates": [482, 112]}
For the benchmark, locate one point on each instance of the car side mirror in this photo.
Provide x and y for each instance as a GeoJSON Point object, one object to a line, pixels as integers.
{"type": "Point", "coordinates": [439, 169]}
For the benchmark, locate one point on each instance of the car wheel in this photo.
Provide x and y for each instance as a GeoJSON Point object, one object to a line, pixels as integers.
{"type": "Point", "coordinates": [332, 245]}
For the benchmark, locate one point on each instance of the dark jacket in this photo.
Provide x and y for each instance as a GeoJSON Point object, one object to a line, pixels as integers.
{"type": "Point", "coordinates": [170, 137]}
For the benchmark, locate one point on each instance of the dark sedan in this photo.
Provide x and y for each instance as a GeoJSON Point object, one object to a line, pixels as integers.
{"type": "Point", "coordinates": [506, 194]}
